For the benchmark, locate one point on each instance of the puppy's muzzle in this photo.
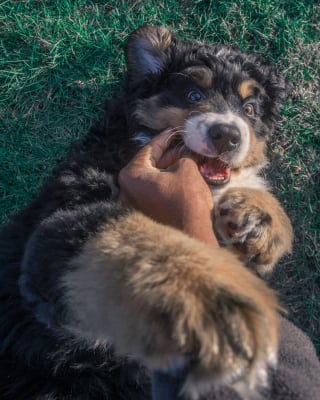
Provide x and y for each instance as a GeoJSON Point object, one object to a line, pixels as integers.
{"type": "Point", "coordinates": [224, 137]}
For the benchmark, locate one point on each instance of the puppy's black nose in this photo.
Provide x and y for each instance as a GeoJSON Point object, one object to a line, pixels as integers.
{"type": "Point", "coordinates": [224, 137]}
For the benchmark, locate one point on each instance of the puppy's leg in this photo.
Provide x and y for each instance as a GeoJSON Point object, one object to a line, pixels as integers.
{"type": "Point", "coordinates": [169, 299]}
{"type": "Point", "coordinates": [252, 223]}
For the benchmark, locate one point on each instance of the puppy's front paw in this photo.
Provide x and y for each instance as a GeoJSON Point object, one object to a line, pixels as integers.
{"type": "Point", "coordinates": [245, 226]}
{"type": "Point", "coordinates": [213, 316]}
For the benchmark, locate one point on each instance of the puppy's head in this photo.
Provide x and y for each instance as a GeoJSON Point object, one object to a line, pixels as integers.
{"type": "Point", "coordinates": [223, 103]}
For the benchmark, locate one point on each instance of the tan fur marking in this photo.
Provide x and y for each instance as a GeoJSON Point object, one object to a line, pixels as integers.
{"type": "Point", "coordinates": [160, 295]}
{"type": "Point", "coordinates": [257, 150]}
{"type": "Point", "coordinates": [150, 114]}
{"type": "Point", "coordinates": [162, 39]}
{"type": "Point", "coordinates": [247, 88]}
{"type": "Point", "coordinates": [159, 37]}
{"type": "Point", "coordinates": [170, 116]}
{"type": "Point", "coordinates": [202, 76]}
{"type": "Point", "coordinates": [201, 107]}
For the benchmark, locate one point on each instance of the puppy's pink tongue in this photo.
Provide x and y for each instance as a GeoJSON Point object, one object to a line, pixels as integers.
{"type": "Point", "coordinates": [215, 171]}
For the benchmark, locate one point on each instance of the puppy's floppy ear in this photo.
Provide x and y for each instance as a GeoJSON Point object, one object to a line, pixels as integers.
{"type": "Point", "coordinates": [276, 88]}
{"type": "Point", "coordinates": [274, 84]}
{"type": "Point", "coordinates": [147, 51]}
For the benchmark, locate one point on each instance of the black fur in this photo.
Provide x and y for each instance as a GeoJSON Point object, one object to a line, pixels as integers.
{"type": "Point", "coordinates": [38, 358]}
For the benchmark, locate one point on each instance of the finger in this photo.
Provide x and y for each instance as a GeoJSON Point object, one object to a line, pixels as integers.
{"type": "Point", "coordinates": [149, 156]}
{"type": "Point", "coordinates": [169, 158]}
{"type": "Point", "coordinates": [187, 162]}
{"type": "Point", "coordinates": [189, 155]}
{"type": "Point", "coordinates": [160, 145]}
{"type": "Point", "coordinates": [174, 154]}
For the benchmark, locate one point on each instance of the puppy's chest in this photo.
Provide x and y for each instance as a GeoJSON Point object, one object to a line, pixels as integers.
{"type": "Point", "coordinates": [246, 179]}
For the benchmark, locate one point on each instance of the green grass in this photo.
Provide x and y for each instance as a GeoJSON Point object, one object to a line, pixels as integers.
{"type": "Point", "coordinates": [59, 61]}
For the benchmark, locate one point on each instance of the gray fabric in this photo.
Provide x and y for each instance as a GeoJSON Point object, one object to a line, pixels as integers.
{"type": "Point", "coordinates": [297, 376]}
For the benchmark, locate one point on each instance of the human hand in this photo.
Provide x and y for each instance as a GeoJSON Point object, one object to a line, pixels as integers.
{"type": "Point", "coordinates": [169, 188]}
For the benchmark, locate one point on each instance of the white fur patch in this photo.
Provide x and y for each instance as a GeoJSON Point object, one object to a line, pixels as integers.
{"type": "Point", "coordinates": [197, 139]}
{"type": "Point", "coordinates": [141, 138]}
{"type": "Point", "coordinates": [248, 178]}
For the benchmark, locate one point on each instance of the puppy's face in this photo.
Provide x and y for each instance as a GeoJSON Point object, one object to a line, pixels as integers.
{"type": "Point", "coordinates": [223, 103]}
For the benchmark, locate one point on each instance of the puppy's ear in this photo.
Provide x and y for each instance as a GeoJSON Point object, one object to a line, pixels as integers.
{"type": "Point", "coordinates": [274, 85]}
{"type": "Point", "coordinates": [147, 51]}
{"type": "Point", "coordinates": [276, 88]}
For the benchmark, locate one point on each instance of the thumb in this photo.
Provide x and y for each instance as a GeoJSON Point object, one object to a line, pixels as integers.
{"type": "Point", "coordinates": [151, 154]}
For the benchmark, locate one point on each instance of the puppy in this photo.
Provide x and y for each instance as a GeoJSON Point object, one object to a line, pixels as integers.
{"type": "Point", "coordinates": [88, 286]}
{"type": "Point", "coordinates": [224, 104]}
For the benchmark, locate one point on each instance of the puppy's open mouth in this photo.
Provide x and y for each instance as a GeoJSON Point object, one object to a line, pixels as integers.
{"type": "Point", "coordinates": [214, 171]}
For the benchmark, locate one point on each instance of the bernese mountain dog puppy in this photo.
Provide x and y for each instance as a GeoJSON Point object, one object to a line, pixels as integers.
{"type": "Point", "coordinates": [94, 295]}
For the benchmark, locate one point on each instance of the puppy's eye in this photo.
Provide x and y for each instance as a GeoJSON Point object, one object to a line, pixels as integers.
{"type": "Point", "coordinates": [195, 95]}
{"type": "Point", "coordinates": [249, 109]}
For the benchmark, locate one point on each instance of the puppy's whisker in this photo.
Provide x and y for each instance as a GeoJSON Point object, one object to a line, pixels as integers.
{"type": "Point", "coordinates": [180, 137]}
{"type": "Point", "coordinates": [180, 130]}
{"type": "Point", "coordinates": [169, 138]}
{"type": "Point", "coordinates": [195, 112]}
{"type": "Point", "coordinates": [181, 74]}
{"type": "Point", "coordinates": [183, 149]}
{"type": "Point", "coordinates": [177, 131]}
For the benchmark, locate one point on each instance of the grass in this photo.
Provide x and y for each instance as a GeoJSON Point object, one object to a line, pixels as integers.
{"type": "Point", "coordinates": [60, 60]}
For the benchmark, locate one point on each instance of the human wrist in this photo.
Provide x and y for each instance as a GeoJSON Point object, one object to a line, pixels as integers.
{"type": "Point", "coordinates": [200, 227]}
